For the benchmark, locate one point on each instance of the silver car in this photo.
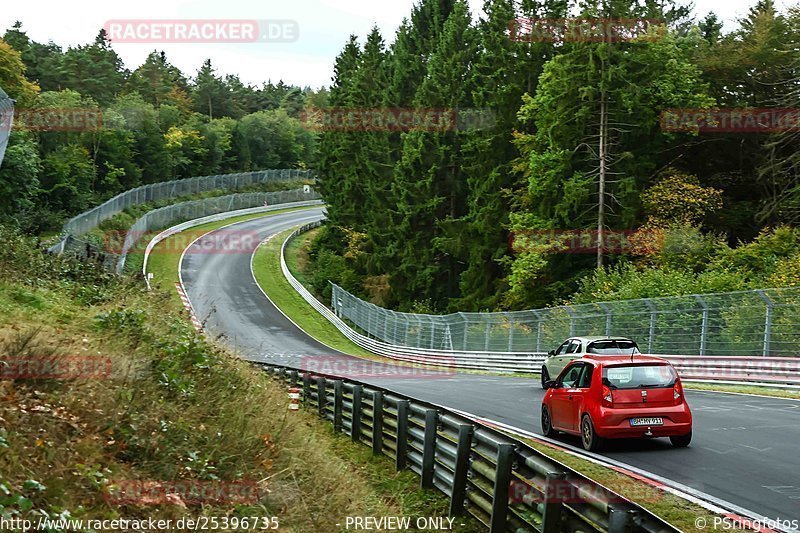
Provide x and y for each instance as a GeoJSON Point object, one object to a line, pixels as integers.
{"type": "Point", "coordinates": [576, 347]}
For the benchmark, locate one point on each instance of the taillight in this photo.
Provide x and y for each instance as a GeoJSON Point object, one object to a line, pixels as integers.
{"type": "Point", "coordinates": [608, 400]}
{"type": "Point", "coordinates": [677, 392]}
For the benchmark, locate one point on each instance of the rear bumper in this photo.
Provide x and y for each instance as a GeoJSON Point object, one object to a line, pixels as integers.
{"type": "Point", "coordinates": [614, 423]}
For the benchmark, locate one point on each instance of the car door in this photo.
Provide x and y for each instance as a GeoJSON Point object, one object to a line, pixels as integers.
{"type": "Point", "coordinates": [561, 400]}
{"type": "Point", "coordinates": [562, 357]}
{"type": "Point", "coordinates": [579, 395]}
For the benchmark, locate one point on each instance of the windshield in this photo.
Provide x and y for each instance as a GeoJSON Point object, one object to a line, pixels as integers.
{"type": "Point", "coordinates": [612, 347]}
{"type": "Point", "coordinates": [639, 376]}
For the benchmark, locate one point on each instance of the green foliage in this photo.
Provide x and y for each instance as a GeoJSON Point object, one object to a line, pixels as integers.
{"type": "Point", "coordinates": [157, 125]}
{"type": "Point", "coordinates": [693, 263]}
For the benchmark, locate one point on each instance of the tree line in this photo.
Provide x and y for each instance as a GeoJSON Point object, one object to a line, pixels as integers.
{"type": "Point", "coordinates": [158, 124]}
{"type": "Point", "coordinates": [453, 220]}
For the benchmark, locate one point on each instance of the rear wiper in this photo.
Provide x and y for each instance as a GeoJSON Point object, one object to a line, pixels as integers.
{"type": "Point", "coordinates": [650, 385]}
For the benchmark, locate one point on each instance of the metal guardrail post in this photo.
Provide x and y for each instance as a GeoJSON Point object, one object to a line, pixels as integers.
{"type": "Point", "coordinates": [321, 399]}
{"type": "Point", "coordinates": [552, 506]}
{"type": "Point", "coordinates": [621, 520]}
{"type": "Point", "coordinates": [609, 316]}
{"type": "Point", "coordinates": [767, 320]}
{"type": "Point", "coordinates": [403, 406]}
{"type": "Point", "coordinates": [306, 386]}
{"type": "Point", "coordinates": [571, 314]}
{"type": "Point", "coordinates": [377, 422]}
{"type": "Point", "coordinates": [704, 325]}
{"type": "Point", "coordinates": [652, 332]}
{"type": "Point", "coordinates": [337, 405]}
{"type": "Point", "coordinates": [463, 448]}
{"type": "Point", "coordinates": [502, 480]}
{"type": "Point", "coordinates": [355, 428]}
{"type": "Point", "coordinates": [429, 448]}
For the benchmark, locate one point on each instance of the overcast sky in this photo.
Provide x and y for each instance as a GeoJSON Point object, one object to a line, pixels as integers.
{"type": "Point", "coordinates": [324, 26]}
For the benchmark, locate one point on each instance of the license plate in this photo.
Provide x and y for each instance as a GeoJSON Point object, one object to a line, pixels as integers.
{"type": "Point", "coordinates": [647, 421]}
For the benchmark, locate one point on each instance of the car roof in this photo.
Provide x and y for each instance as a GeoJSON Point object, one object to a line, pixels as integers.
{"type": "Point", "coordinates": [599, 338]}
{"type": "Point", "coordinates": [607, 360]}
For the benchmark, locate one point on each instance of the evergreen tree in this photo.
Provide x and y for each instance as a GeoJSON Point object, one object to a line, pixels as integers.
{"type": "Point", "coordinates": [337, 180]}
{"type": "Point", "coordinates": [430, 185]}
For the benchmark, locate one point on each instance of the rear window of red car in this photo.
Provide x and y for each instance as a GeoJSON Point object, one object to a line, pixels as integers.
{"type": "Point", "coordinates": [638, 376]}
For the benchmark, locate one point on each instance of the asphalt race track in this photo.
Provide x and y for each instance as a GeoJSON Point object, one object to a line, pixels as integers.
{"type": "Point", "coordinates": [745, 449]}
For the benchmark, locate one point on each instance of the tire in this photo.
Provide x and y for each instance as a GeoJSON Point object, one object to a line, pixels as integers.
{"type": "Point", "coordinates": [547, 425]}
{"type": "Point", "coordinates": [681, 441]}
{"type": "Point", "coordinates": [589, 438]}
{"type": "Point", "coordinates": [545, 376]}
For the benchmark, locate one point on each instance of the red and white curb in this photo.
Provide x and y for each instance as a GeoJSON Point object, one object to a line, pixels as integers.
{"type": "Point", "coordinates": [188, 305]}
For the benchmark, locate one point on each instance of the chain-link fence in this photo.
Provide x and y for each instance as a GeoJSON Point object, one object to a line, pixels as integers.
{"type": "Point", "coordinates": [759, 322]}
{"type": "Point", "coordinates": [117, 245]}
{"type": "Point", "coordinates": [153, 192]}
{"type": "Point", "coordinates": [6, 120]}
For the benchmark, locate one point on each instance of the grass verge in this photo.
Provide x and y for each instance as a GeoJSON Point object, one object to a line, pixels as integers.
{"type": "Point", "coordinates": [268, 274]}
{"type": "Point", "coordinates": [679, 512]}
{"type": "Point", "coordinates": [169, 409]}
{"type": "Point", "coordinates": [744, 389]}
{"type": "Point", "coordinates": [165, 257]}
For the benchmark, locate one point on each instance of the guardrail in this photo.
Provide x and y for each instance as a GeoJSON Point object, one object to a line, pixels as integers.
{"type": "Point", "coordinates": [757, 322]}
{"type": "Point", "coordinates": [770, 370]}
{"type": "Point", "coordinates": [496, 361]}
{"type": "Point", "coordinates": [113, 255]}
{"type": "Point", "coordinates": [503, 482]}
{"type": "Point", "coordinates": [87, 221]}
{"type": "Point", "coordinates": [213, 218]}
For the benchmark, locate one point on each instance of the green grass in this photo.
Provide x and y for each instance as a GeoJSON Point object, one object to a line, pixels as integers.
{"type": "Point", "coordinates": [267, 270]}
{"type": "Point", "coordinates": [674, 509]}
{"type": "Point", "coordinates": [745, 389]}
{"type": "Point", "coordinates": [165, 257]}
{"type": "Point", "coordinates": [174, 408]}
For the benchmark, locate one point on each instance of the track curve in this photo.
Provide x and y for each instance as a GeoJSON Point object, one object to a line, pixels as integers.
{"type": "Point", "coordinates": [744, 450]}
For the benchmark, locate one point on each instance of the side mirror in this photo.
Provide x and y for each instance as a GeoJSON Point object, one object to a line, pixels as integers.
{"type": "Point", "coordinates": [551, 384]}
{"type": "Point", "coordinates": [551, 352]}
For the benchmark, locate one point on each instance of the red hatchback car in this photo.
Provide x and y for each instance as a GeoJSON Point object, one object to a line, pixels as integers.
{"type": "Point", "coordinates": [615, 397]}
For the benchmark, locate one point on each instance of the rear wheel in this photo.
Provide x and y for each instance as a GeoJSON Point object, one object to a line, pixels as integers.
{"type": "Point", "coordinates": [589, 438]}
{"type": "Point", "coordinates": [681, 441]}
{"type": "Point", "coordinates": [547, 424]}
{"type": "Point", "coordinates": [545, 376]}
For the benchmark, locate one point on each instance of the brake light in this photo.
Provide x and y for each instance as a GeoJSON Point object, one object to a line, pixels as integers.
{"type": "Point", "coordinates": [608, 399]}
{"type": "Point", "coordinates": [677, 392]}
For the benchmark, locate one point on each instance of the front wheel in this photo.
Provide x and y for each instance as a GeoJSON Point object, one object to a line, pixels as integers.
{"type": "Point", "coordinates": [589, 438]}
{"type": "Point", "coordinates": [545, 376]}
{"type": "Point", "coordinates": [681, 441]}
{"type": "Point", "coordinates": [547, 424]}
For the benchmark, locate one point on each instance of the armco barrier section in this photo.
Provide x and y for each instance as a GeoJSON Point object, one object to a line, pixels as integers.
{"type": "Point", "coordinates": [759, 322]}
{"type": "Point", "coordinates": [759, 369]}
{"type": "Point", "coordinates": [503, 482]}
